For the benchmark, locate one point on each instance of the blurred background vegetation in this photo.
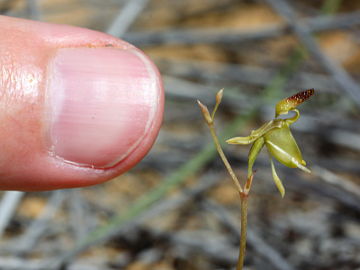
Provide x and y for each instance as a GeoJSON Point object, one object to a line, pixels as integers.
{"type": "Point", "coordinates": [178, 208]}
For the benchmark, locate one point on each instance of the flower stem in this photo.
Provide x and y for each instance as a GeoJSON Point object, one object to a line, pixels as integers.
{"type": "Point", "coordinates": [244, 192]}
{"type": "Point", "coordinates": [244, 207]}
{"type": "Point", "coordinates": [223, 157]}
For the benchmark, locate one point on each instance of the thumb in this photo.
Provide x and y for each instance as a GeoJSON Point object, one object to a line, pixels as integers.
{"type": "Point", "coordinates": [77, 107]}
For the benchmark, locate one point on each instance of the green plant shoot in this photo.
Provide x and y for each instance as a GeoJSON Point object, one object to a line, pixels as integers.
{"type": "Point", "coordinates": [277, 138]}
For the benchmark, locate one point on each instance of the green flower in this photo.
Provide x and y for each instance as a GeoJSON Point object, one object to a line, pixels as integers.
{"type": "Point", "coordinates": [277, 138]}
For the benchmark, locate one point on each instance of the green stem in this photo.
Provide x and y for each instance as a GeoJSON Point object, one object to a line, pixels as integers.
{"type": "Point", "coordinates": [223, 157]}
{"type": "Point", "coordinates": [244, 207]}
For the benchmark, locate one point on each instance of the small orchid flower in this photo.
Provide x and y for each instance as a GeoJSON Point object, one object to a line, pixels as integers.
{"type": "Point", "coordinates": [277, 137]}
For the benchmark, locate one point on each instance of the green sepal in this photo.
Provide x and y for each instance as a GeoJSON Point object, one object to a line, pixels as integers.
{"type": "Point", "coordinates": [253, 153]}
{"type": "Point", "coordinates": [255, 134]}
{"type": "Point", "coordinates": [283, 147]}
{"type": "Point", "coordinates": [277, 180]}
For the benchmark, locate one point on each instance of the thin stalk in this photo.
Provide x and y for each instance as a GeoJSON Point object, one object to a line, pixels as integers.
{"type": "Point", "coordinates": [223, 157]}
{"type": "Point", "coordinates": [243, 193]}
{"type": "Point", "coordinates": [272, 89]}
{"type": "Point", "coordinates": [244, 208]}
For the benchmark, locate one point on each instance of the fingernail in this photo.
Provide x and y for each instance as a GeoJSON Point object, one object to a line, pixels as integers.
{"type": "Point", "coordinates": [102, 102]}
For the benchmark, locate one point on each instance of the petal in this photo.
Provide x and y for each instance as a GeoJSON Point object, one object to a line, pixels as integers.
{"type": "Point", "coordinates": [290, 103]}
{"type": "Point", "coordinates": [277, 180]}
{"type": "Point", "coordinates": [283, 147]}
{"type": "Point", "coordinates": [254, 151]}
{"type": "Point", "coordinates": [241, 140]}
{"type": "Point", "coordinates": [257, 133]}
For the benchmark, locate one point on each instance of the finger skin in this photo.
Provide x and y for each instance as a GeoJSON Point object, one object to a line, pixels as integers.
{"type": "Point", "coordinates": [26, 48]}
